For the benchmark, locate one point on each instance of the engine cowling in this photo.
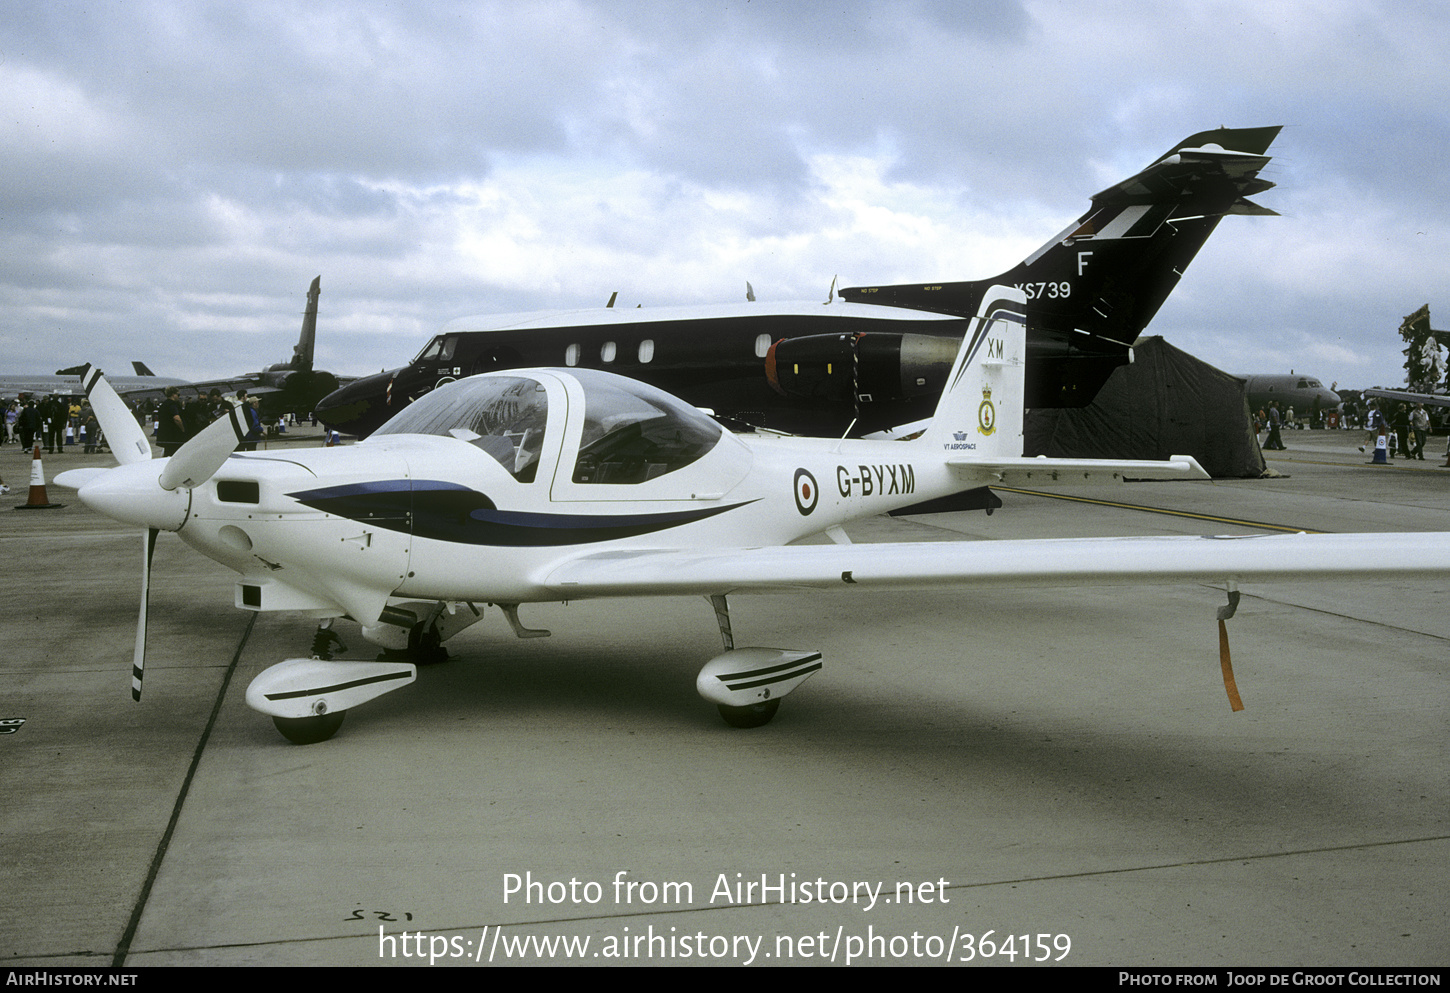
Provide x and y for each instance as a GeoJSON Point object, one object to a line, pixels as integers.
{"type": "Point", "coordinates": [870, 366]}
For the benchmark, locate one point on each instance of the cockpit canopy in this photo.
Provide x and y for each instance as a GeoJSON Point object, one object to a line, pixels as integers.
{"type": "Point", "coordinates": [631, 432]}
{"type": "Point", "coordinates": [634, 432]}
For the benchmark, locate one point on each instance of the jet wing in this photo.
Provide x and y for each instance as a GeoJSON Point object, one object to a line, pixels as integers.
{"type": "Point", "coordinates": [1008, 563]}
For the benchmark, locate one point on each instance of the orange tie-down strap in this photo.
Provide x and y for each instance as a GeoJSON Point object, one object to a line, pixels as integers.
{"type": "Point", "coordinates": [1228, 669]}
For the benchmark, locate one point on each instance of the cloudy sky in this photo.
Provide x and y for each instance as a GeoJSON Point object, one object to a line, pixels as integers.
{"type": "Point", "coordinates": [173, 174]}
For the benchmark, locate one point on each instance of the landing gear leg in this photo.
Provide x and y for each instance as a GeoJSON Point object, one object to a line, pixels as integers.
{"type": "Point", "coordinates": [722, 618]}
{"type": "Point", "coordinates": [757, 713]}
{"type": "Point", "coordinates": [325, 639]}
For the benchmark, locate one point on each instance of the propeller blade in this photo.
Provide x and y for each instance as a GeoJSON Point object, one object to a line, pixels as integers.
{"type": "Point", "coordinates": [125, 436]}
{"type": "Point", "coordinates": [196, 461]}
{"type": "Point", "coordinates": [138, 659]}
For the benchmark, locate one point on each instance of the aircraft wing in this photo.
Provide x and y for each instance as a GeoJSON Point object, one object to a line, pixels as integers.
{"type": "Point", "coordinates": [1405, 396]}
{"type": "Point", "coordinates": [1020, 471]}
{"type": "Point", "coordinates": [1007, 563]}
{"type": "Point", "coordinates": [228, 387]}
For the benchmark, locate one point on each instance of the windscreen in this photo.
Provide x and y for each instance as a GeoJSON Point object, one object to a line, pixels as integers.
{"type": "Point", "coordinates": [505, 416]}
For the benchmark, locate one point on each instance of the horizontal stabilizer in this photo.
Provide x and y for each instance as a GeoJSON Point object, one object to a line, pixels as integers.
{"type": "Point", "coordinates": [1040, 469]}
{"type": "Point", "coordinates": [1247, 208]}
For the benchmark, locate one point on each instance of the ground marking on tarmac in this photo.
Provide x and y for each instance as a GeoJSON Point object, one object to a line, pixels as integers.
{"type": "Point", "coordinates": [123, 947]}
{"type": "Point", "coordinates": [1160, 510]}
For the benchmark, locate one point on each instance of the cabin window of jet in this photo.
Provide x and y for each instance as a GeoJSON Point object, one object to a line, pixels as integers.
{"type": "Point", "coordinates": [646, 351]}
{"type": "Point", "coordinates": [606, 351]}
{"type": "Point", "coordinates": [762, 345]}
{"type": "Point", "coordinates": [571, 355]}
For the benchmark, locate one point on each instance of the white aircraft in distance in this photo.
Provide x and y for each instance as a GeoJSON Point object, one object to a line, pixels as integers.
{"type": "Point", "coordinates": [538, 485]}
{"type": "Point", "coordinates": [20, 384]}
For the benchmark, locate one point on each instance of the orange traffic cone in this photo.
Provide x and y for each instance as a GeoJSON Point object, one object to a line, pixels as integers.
{"type": "Point", "coordinates": [38, 499]}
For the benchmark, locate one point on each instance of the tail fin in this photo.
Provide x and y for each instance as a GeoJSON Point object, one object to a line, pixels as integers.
{"type": "Point", "coordinates": [980, 410]}
{"type": "Point", "coordinates": [1093, 288]}
{"type": "Point", "coordinates": [306, 341]}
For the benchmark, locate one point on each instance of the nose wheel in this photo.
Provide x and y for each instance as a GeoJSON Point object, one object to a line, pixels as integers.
{"type": "Point", "coordinates": [310, 730]}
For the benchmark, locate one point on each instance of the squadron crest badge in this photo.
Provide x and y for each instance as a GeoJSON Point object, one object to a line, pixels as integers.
{"type": "Point", "coordinates": [986, 413]}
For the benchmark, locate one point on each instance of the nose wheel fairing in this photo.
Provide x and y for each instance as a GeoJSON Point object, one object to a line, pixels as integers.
{"type": "Point", "coordinates": [307, 698]}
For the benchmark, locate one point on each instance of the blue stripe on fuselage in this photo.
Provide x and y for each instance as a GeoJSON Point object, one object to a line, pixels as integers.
{"type": "Point", "coordinates": [450, 512]}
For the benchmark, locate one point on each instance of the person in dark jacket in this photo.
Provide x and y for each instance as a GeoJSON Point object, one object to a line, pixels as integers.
{"type": "Point", "coordinates": [252, 414]}
{"type": "Point", "coordinates": [1275, 442]}
{"type": "Point", "coordinates": [28, 424]}
{"type": "Point", "coordinates": [171, 422]}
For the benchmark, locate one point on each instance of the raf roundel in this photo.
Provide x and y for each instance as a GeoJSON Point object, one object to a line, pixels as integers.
{"type": "Point", "coordinates": [806, 491]}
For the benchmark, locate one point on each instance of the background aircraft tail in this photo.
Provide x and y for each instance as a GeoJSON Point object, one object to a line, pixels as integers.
{"type": "Point", "coordinates": [307, 340]}
{"type": "Point", "coordinates": [981, 407]}
{"type": "Point", "coordinates": [1093, 288]}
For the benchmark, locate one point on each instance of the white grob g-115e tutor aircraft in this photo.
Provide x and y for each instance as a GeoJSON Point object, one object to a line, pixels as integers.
{"type": "Point", "coordinates": [536, 485]}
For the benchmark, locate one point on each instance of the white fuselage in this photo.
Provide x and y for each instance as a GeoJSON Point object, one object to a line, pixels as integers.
{"type": "Point", "coordinates": [394, 544]}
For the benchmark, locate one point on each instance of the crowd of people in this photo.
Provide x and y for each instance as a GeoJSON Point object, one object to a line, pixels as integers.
{"type": "Point", "coordinates": [1405, 430]}
{"type": "Point", "coordinates": [51, 422]}
{"type": "Point", "coordinates": [54, 422]}
{"type": "Point", "coordinates": [1406, 427]}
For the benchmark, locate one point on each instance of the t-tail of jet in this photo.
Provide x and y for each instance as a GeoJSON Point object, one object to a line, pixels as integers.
{"type": "Point", "coordinates": [1093, 288]}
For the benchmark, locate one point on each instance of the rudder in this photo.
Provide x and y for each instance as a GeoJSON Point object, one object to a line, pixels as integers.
{"type": "Point", "coordinates": [981, 406]}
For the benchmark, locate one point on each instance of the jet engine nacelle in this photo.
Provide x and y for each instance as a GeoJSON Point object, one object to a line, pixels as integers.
{"type": "Point", "coordinates": [871, 366]}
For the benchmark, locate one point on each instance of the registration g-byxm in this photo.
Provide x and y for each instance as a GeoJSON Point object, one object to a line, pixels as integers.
{"type": "Point", "coordinates": [537, 485]}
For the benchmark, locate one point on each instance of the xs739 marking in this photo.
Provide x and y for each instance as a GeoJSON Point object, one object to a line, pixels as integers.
{"type": "Point", "coordinates": [1046, 291]}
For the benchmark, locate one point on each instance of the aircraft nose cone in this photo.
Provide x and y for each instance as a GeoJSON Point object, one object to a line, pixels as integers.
{"type": "Point", "coordinates": [131, 494]}
{"type": "Point", "coordinates": [360, 407]}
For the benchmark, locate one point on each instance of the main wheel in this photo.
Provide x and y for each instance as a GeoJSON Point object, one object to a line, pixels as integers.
{"type": "Point", "coordinates": [309, 730]}
{"type": "Point", "coordinates": [425, 645]}
{"type": "Point", "coordinates": [753, 716]}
